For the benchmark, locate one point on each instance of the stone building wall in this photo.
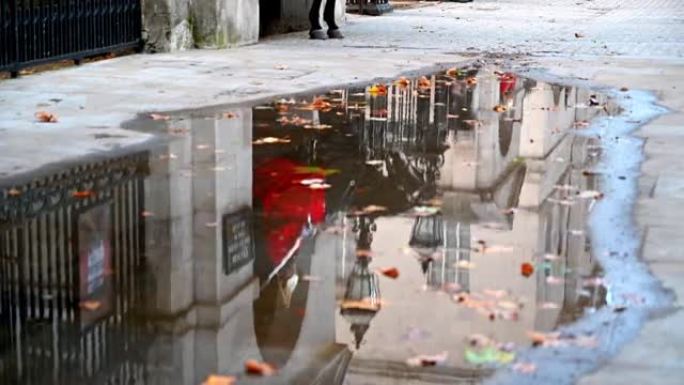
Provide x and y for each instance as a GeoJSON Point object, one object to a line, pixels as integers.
{"type": "Point", "coordinates": [175, 25]}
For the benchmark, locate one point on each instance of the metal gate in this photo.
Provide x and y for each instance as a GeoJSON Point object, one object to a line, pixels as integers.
{"type": "Point", "coordinates": [38, 31]}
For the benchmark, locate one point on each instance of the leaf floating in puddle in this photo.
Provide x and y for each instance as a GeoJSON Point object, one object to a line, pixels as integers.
{"type": "Point", "coordinates": [526, 269]}
{"type": "Point", "coordinates": [90, 305]}
{"type": "Point", "coordinates": [466, 265]}
{"type": "Point", "coordinates": [590, 194]}
{"type": "Point", "coordinates": [524, 367]}
{"type": "Point", "coordinates": [271, 140]}
{"type": "Point", "coordinates": [488, 355]}
{"type": "Point", "coordinates": [215, 379]}
{"type": "Point", "coordinates": [46, 117]}
{"type": "Point", "coordinates": [319, 186]}
{"type": "Point", "coordinates": [159, 117]}
{"type": "Point", "coordinates": [259, 368]}
{"type": "Point", "coordinates": [364, 304]}
{"type": "Point", "coordinates": [424, 82]}
{"type": "Point", "coordinates": [378, 90]}
{"type": "Point", "coordinates": [402, 82]}
{"type": "Point", "coordinates": [390, 272]}
{"type": "Point", "coordinates": [427, 360]}
{"type": "Point", "coordinates": [83, 194]}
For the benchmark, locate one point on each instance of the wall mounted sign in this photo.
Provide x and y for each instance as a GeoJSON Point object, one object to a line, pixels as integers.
{"type": "Point", "coordinates": [238, 240]}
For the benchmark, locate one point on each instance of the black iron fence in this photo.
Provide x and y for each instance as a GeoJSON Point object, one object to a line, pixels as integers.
{"type": "Point", "coordinates": [71, 249]}
{"type": "Point", "coordinates": [38, 31]}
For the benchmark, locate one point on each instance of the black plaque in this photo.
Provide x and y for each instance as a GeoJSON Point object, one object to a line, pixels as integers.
{"type": "Point", "coordinates": [238, 240]}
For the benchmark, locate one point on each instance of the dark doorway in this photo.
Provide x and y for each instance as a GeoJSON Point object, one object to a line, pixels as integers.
{"type": "Point", "coordinates": [269, 15]}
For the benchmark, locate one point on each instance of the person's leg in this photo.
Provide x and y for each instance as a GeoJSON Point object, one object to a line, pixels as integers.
{"type": "Point", "coordinates": [329, 14]}
{"type": "Point", "coordinates": [314, 15]}
{"type": "Point", "coordinates": [329, 17]}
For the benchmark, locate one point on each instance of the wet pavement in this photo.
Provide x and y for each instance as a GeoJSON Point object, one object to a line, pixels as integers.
{"type": "Point", "coordinates": [413, 231]}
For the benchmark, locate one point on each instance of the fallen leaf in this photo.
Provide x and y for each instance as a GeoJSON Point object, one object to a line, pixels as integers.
{"type": "Point", "coordinates": [159, 117]}
{"type": "Point", "coordinates": [259, 368]}
{"type": "Point", "coordinates": [428, 360]}
{"type": "Point", "coordinates": [453, 72]}
{"type": "Point", "coordinates": [215, 379]}
{"type": "Point", "coordinates": [46, 117]}
{"type": "Point", "coordinates": [424, 82]}
{"type": "Point", "coordinates": [500, 108]}
{"type": "Point", "coordinates": [524, 367]}
{"type": "Point", "coordinates": [390, 272]}
{"type": "Point", "coordinates": [83, 194]}
{"type": "Point", "coordinates": [271, 140]}
{"type": "Point", "coordinates": [526, 269]}
{"type": "Point", "coordinates": [90, 305]}
{"type": "Point", "coordinates": [471, 80]}
{"type": "Point", "coordinates": [365, 304]}
{"type": "Point", "coordinates": [402, 82]}
{"type": "Point", "coordinates": [378, 89]}
{"type": "Point", "coordinates": [487, 355]}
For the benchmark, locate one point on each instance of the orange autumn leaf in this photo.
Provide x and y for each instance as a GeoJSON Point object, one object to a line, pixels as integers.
{"type": "Point", "coordinates": [90, 305]}
{"type": "Point", "coordinates": [526, 269]}
{"type": "Point", "coordinates": [159, 117]}
{"type": "Point", "coordinates": [46, 117]}
{"type": "Point", "coordinates": [453, 72]}
{"type": "Point", "coordinates": [259, 368]}
{"type": "Point", "coordinates": [402, 82]}
{"type": "Point", "coordinates": [424, 82]}
{"type": "Point", "coordinates": [471, 80]}
{"type": "Point", "coordinates": [378, 89]}
{"type": "Point", "coordinates": [83, 194]}
{"type": "Point", "coordinates": [390, 272]}
{"type": "Point", "coordinates": [500, 108]}
{"type": "Point", "coordinates": [320, 103]}
{"type": "Point", "coordinates": [215, 379]}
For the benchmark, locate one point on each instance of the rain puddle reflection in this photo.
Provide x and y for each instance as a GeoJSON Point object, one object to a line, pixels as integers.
{"type": "Point", "coordinates": [417, 230]}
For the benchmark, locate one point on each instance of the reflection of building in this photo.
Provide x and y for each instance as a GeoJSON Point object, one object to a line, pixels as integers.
{"type": "Point", "coordinates": [503, 160]}
{"type": "Point", "coordinates": [70, 253]}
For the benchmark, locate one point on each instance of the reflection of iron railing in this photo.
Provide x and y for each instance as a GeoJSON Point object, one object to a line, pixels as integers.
{"type": "Point", "coordinates": [47, 333]}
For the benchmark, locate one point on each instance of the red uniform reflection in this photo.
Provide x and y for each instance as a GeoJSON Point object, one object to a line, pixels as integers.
{"type": "Point", "coordinates": [288, 201]}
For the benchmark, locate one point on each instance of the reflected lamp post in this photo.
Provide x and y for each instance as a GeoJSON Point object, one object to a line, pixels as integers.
{"type": "Point", "coordinates": [427, 235]}
{"type": "Point", "coordinates": [362, 295]}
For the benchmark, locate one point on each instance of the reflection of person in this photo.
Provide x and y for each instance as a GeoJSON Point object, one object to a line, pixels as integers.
{"type": "Point", "coordinates": [329, 18]}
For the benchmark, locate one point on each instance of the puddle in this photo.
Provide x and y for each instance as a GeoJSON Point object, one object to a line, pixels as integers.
{"type": "Point", "coordinates": [415, 230]}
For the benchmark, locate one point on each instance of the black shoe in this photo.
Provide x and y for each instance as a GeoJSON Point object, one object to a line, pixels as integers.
{"type": "Point", "coordinates": [317, 34]}
{"type": "Point", "coordinates": [335, 34]}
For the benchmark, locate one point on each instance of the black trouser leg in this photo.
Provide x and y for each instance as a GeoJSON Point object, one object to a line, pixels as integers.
{"type": "Point", "coordinates": [314, 15]}
{"type": "Point", "coordinates": [329, 14]}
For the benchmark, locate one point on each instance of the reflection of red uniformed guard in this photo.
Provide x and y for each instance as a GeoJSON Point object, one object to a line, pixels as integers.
{"type": "Point", "coordinates": [506, 83]}
{"type": "Point", "coordinates": [289, 203]}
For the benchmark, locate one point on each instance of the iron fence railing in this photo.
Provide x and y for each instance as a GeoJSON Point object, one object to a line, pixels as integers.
{"type": "Point", "coordinates": [71, 252]}
{"type": "Point", "coordinates": [39, 31]}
